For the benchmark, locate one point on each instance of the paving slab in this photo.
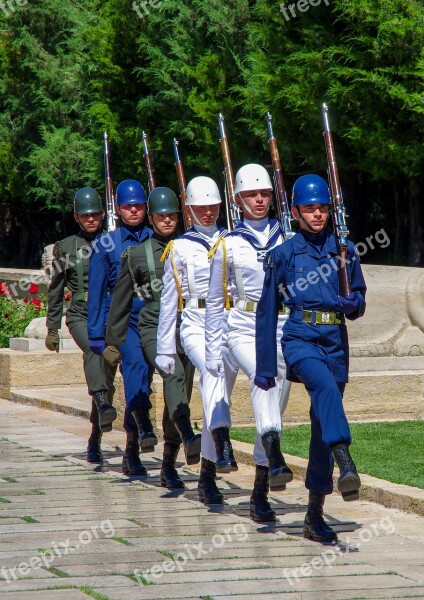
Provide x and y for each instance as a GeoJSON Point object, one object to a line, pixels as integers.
{"type": "Point", "coordinates": [63, 594]}
{"type": "Point", "coordinates": [52, 499]}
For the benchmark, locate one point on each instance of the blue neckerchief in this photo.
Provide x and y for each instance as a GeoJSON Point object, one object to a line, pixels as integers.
{"type": "Point", "coordinates": [194, 236]}
{"type": "Point", "coordinates": [273, 236]}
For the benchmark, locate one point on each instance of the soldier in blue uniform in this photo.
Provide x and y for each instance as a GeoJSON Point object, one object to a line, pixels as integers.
{"type": "Point", "coordinates": [302, 273]}
{"type": "Point", "coordinates": [104, 270]}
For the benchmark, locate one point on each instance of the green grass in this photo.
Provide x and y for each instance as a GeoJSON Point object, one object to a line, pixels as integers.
{"type": "Point", "coordinates": [92, 593]}
{"type": "Point", "coordinates": [122, 540]}
{"type": "Point", "coordinates": [10, 479]}
{"type": "Point", "coordinates": [389, 450]}
{"type": "Point", "coordinates": [29, 519]}
{"type": "Point", "coordinates": [57, 572]}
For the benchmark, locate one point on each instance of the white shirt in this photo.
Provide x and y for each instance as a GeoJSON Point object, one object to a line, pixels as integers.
{"type": "Point", "coordinates": [192, 267]}
{"type": "Point", "coordinates": [244, 279]}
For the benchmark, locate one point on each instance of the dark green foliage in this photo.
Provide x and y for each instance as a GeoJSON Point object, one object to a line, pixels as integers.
{"type": "Point", "coordinates": [72, 68]}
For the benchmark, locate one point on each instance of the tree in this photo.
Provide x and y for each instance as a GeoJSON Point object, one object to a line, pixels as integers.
{"type": "Point", "coordinates": [366, 59]}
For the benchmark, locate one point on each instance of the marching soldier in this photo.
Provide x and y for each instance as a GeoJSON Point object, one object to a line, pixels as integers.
{"type": "Point", "coordinates": [141, 273]}
{"type": "Point", "coordinates": [70, 269]}
{"type": "Point", "coordinates": [237, 269]}
{"type": "Point", "coordinates": [186, 282]}
{"type": "Point", "coordinates": [105, 266]}
{"type": "Point", "coordinates": [302, 273]}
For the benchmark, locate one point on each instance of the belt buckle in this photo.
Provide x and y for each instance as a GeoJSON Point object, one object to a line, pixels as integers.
{"type": "Point", "coordinates": [250, 306]}
{"type": "Point", "coordinates": [325, 318]}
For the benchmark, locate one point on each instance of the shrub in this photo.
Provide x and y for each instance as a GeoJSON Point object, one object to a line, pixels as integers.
{"type": "Point", "coordinates": [16, 314]}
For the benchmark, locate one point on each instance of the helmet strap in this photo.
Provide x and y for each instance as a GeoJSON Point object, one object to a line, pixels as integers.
{"type": "Point", "coordinates": [248, 209]}
{"type": "Point", "coordinates": [308, 227]}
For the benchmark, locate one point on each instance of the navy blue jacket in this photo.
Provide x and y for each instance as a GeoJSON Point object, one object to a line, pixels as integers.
{"type": "Point", "coordinates": [104, 268]}
{"type": "Point", "coordinates": [303, 276]}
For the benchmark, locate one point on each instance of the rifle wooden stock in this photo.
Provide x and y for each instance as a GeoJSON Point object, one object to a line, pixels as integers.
{"type": "Point", "coordinates": [150, 177]}
{"type": "Point", "coordinates": [110, 204]}
{"type": "Point", "coordinates": [232, 208]}
{"type": "Point", "coordinates": [339, 211]}
{"type": "Point", "coordinates": [283, 211]}
{"type": "Point", "coordinates": [187, 218]}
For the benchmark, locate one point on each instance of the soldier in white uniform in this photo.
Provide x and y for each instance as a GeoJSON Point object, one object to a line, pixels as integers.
{"type": "Point", "coordinates": [185, 286]}
{"type": "Point", "coordinates": [237, 271]}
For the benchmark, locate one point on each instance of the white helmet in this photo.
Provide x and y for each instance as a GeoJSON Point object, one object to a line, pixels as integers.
{"type": "Point", "coordinates": [202, 191]}
{"type": "Point", "coordinates": [252, 177]}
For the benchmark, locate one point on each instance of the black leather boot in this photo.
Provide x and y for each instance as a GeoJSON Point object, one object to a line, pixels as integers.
{"type": "Point", "coordinates": [225, 461]}
{"type": "Point", "coordinates": [148, 439]}
{"type": "Point", "coordinates": [191, 440]}
{"type": "Point", "coordinates": [279, 472]}
{"type": "Point", "coordinates": [207, 488]}
{"type": "Point", "coordinates": [260, 509]}
{"type": "Point", "coordinates": [131, 463]}
{"type": "Point", "coordinates": [314, 527]}
{"type": "Point", "coordinates": [348, 483]}
{"type": "Point", "coordinates": [169, 477]}
{"type": "Point", "coordinates": [94, 451]}
{"type": "Point", "coordinates": [107, 413]}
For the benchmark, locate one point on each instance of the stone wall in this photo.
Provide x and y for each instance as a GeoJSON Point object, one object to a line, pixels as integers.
{"type": "Point", "coordinates": [387, 358]}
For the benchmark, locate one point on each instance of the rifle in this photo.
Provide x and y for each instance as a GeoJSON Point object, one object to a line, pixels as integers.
{"type": "Point", "coordinates": [188, 221]}
{"type": "Point", "coordinates": [232, 208]}
{"type": "Point", "coordinates": [283, 211]}
{"type": "Point", "coordinates": [339, 211]}
{"type": "Point", "coordinates": [110, 204]}
{"type": "Point", "coordinates": [150, 176]}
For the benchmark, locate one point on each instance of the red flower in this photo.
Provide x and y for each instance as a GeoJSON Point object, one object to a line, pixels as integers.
{"type": "Point", "coordinates": [26, 300]}
{"type": "Point", "coordinates": [4, 289]}
{"type": "Point", "coordinates": [36, 302]}
{"type": "Point", "coordinates": [33, 288]}
{"type": "Point", "coordinates": [68, 297]}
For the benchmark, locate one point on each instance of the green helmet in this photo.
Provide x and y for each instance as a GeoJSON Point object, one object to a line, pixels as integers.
{"type": "Point", "coordinates": [162, 200]}
{"type": "Point", "coordinates": [86, 201]}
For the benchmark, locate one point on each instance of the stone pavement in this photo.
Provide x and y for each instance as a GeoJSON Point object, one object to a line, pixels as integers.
{"type": "Point", "coordinates": [69, 530]}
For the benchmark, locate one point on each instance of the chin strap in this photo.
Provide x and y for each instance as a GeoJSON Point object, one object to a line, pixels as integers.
{"type": "Point", "coordinates": [195, 219]}
{"type": "Point", "coordinates": [306, 224]}
{"type": "Point", "coordinates": [248, 209]}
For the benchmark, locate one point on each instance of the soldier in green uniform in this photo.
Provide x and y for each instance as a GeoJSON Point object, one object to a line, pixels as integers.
{"type": "Point", "coordinates": [70, 269]}
{"type": "Point", "coordinates": [141, 274]}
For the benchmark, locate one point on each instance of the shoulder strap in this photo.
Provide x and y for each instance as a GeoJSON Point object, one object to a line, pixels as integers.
{"type": "Point", "coordinates": [152, 269]}
{"type": "Point", "coordinates": [79, 267]}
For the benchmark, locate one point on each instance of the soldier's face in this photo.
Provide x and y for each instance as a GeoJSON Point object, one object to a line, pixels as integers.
{"type": "Point", "coordinates": [255, 203]}
{"type": "Point", "coordinates": [164, 224]}
{"type": "Point", "coordinates": [311, 217]}
{"type": "Point", "coordinates": [206, 215]}
{"type": "Point", "coordinates": [132, 214]}
{"type": "Point", "coordinates": [91, 222]}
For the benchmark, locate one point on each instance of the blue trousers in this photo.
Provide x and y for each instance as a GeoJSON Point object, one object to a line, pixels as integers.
{"type": "Point", "coordinates": [329, 425]}
{"type": "Point", "coordinates": [135, 373]}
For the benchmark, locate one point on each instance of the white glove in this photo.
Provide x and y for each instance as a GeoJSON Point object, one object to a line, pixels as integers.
{"type": "Point", "coordinates": [166, 363]}
{"type": "Point", "coordinates": [215, 367]}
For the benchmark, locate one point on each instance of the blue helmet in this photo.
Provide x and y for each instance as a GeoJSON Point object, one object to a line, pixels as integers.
{"type": "Point", "coordinates": [310, 189]}
{"type": "Point", "coordinates": [130, 191]}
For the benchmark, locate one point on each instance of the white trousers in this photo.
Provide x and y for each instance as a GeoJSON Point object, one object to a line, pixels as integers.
{"type": "Point", "coordinates": [267, 406]}
{"type": "Point", "coordinates": [214, 390]}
